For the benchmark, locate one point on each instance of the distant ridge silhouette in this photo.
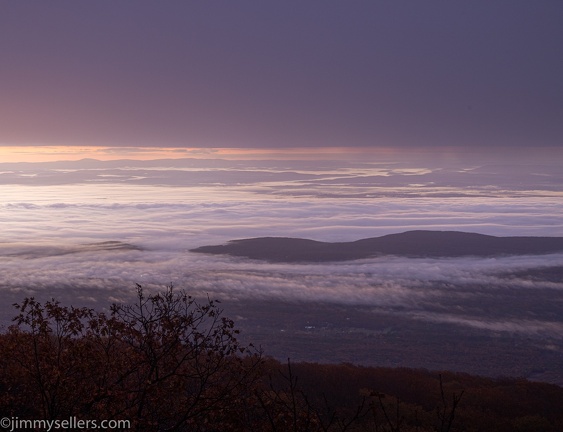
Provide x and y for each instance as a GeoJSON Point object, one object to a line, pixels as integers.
{"type": "Point", "coordinates": [439, 244]}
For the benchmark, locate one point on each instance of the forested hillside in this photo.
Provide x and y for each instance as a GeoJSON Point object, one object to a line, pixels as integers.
{"type": "Point", "coordinates": [169, 362]}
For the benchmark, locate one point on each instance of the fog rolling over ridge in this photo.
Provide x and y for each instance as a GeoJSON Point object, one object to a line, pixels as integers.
{"type": "Point", "coordinates": [87, 231]}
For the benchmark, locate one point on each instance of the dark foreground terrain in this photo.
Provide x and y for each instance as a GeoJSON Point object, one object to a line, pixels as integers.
{"type": "Point", "coordinates": [169, 362]}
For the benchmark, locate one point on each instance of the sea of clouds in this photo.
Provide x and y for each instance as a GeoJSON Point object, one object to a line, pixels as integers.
{"type": "Point", "coordinates": [57, 220]}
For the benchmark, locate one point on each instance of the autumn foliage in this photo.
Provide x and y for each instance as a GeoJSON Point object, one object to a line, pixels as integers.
{"type": "Point", "coordinates": [171, 363]}
{"type": "Point", "coordinates": [165, 363]}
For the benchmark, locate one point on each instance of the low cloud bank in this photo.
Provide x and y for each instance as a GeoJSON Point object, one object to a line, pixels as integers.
{"type": "Point", "coordinates": [464, 291]}
{"type": "Point", "coordinates": [49, 214]}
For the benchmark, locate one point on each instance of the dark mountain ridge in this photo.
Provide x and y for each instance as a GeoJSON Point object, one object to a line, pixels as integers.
{"type": "Point", "coordinates": [417, 244]}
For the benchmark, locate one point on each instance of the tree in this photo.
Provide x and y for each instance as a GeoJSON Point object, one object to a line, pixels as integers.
{"type": "Point", "coordinates": [166, 362]}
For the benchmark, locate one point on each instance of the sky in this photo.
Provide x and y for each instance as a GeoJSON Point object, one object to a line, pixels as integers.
{"type": "Point", "coordinates": [277, 75]}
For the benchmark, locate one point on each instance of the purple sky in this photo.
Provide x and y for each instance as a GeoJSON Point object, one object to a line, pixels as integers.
{"type": "Point", "coordinates": [282, 74]}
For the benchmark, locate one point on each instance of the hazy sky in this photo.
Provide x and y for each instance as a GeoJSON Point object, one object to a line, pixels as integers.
{"type": "Point", "coordinates": [281, 74]}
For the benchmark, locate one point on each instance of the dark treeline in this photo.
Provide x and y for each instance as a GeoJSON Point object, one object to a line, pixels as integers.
{"type": "Point", "coordinates": [169, 362]}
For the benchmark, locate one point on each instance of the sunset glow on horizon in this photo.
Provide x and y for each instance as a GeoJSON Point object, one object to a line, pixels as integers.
{"type": "Point", "coordinates": [434, 155]}
{"type": "Point", "coordinates": [104, 153]}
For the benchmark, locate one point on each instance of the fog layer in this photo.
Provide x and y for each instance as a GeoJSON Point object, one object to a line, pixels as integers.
{"type": "Point", "coordinates": [57, 220]}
